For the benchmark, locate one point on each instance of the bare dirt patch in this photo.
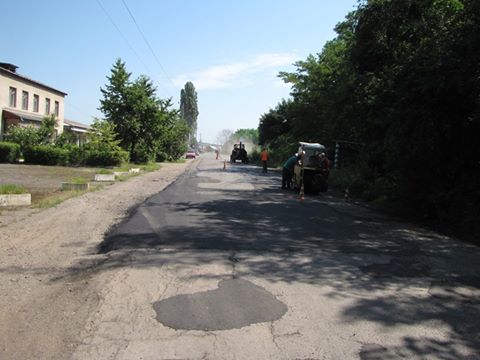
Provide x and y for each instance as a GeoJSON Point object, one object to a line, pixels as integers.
{"type": "Point", "coordinates": [43, 308]}
{"type": "Point", "coordinates": [42, 181]}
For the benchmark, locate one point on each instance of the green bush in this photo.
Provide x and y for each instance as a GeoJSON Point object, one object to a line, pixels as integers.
{"type": "Point", "coordinates": [143, 155]}
{"type": "Point", "coordinates": [66, 139]}
{"type": "Point", "coordinates": [353, 179]}
{"type": "Point", "coordinates": [9, 152]}
{"type": "Point", "coordinates": [254, 157]}
{"type": "Point", "coordinates": [24, 136]}
{"type": "Point", "coordinates": [76, 155]}
{"type": "Point", "coordinates": [172, 149]}
{"type": "Point", "coordinates": [280, 149]}
{"type": "Point", "coordinates": [344, 178]}
{"type": "Point", "coordinates": [95, 157]}
{"type": "Point", "coordinates": [45, 155]}
{"type": "Point", "coordinates": [161, 156]}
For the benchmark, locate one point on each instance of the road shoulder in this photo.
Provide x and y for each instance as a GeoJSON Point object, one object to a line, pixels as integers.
{"type": "Point", "coordinates": [45, 301]}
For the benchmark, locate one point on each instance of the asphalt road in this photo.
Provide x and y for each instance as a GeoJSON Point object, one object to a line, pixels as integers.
{"type": "Point", "coordinates": [223, 264]}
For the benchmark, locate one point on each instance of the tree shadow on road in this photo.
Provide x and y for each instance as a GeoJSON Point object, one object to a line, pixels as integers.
{"type": "Point", "coordinates": [321, 241]}
{"type": "Point", "coordinates": [458, 314]}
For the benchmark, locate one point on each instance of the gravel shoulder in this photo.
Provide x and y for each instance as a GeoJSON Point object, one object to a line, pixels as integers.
{"type": "Point", "coordinates": [45, 302]}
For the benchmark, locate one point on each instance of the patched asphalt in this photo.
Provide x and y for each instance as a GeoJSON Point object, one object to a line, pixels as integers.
{"type": "Point", "coordinates": [236, 303]}
{"type": "Point", "coordinates": [340, 273]}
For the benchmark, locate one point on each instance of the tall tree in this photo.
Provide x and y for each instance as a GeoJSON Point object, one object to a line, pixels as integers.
{"type": "Point", "coordinates": [133, 108]}
{"type": "Point", "coordinates": [145, 124]}
{"type": "Point", "coordinates": [102, 136]}
{"type": "Point", "coordinates": [114, 104]}
{"type": "Point", "coordinates": [246, 135]}
{"type": "Point", "coordinates": [189, 107]}
{"type": "Point", "coordinates": [275, 123]}
{"type": "Point", "coordinates": [402, 78]}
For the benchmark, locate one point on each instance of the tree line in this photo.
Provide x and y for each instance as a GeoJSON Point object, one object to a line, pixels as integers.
{"type": "Point", "coordinates": [147, 127]}
{"type": "Point", "coordinates": [137, 126]}
{"type": "Point", "coordinates": [402, 80]}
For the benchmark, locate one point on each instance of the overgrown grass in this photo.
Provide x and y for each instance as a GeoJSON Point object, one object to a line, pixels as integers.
{"type": "Point", "coordinates": [377, 192]}
{"type": "Point", "coordinates": [343, 178]}
{"type": "Point", "coordinates": [149, 167]}
{"type": "Point", "coordinates": [12, 189]}
{"type": "Point", "coordinates": [57, 199]}
{"type": "Point", "coordinates": [123, 168]}
{"type": "Point", "coordinates": [143, 168]}
{"type": "Point", "coordinates": [78, 180]}
{"type": "Point", "coordinates": [104, 171]}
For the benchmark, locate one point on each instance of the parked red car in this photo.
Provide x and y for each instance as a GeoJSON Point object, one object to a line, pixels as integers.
{"type": "Point", "coordinates": [191, 154]}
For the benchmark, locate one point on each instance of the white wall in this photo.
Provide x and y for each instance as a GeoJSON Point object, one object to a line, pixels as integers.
{"type": "Point", "coordinates": [6, 82]}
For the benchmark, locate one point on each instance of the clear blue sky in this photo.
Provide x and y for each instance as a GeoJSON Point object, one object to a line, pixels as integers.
{"type": "Point", "coordinates": [232, 51]}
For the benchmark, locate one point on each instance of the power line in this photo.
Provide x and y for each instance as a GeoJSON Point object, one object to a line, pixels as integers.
{"type": "Point", "coordinates": [128, 43]}
{"type": "Point", "coordinates": [121, 34]}
{"type": "Point", "coordinates": [146, 42]}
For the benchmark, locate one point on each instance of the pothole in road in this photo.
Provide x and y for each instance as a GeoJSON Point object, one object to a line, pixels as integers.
{"type": "Point", "coordinates": [236, 303]}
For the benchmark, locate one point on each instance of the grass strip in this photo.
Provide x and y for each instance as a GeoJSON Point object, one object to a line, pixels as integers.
{"type": "Point", "coordinates": [8, 189]}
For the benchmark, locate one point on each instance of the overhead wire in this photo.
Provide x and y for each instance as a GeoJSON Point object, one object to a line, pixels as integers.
{"type": "Point", "coordinates": [147, 43]}
{"type": "Point", "coordinates": [121, 34]}
{"type": "Point", "coordinates": [128, 43]}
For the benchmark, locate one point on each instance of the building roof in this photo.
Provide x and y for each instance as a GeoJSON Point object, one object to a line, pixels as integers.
{"type": "Point", "coordinates": [75, 123]}
{"type": "Point", "coordinates": [24, 115]}
{"type": "Point", "coordinates": [10, 70]}
{"type": "Point", "coordinates": [9, 66]}
{"type": "Point", "coordinates": [75, 126]}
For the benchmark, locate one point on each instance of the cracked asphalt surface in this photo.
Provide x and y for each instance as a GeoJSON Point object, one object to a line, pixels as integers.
{"type": "Point", "coordinates": [206, 263]}
{"type": "Point", "coordinates": [312, 279]}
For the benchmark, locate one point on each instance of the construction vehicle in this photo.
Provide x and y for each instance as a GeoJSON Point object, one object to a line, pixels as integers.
{"type": "Point", "coordinates": [239, 154]}
{"type": "Point", "coordinates": [312, 171]}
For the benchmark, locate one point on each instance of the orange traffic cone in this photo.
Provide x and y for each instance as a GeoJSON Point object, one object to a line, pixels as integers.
{"type": "Point", "coordinates": [302, 192]}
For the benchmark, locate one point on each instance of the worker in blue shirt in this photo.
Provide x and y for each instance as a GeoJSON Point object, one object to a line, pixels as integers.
{"type": "Point", "coordinates": [287, 172]}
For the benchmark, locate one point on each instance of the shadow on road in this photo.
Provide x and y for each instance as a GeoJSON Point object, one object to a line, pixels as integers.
{"type": "Point", "coordinates": [322, 241]}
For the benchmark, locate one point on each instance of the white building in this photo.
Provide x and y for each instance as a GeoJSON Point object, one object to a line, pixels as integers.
{"type": "Point", "coordinates": [24, 101]}
{"type": "Point", "coordinates": [78, 129]}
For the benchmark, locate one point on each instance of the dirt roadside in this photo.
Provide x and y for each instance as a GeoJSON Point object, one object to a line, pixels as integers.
{"type": "Point", "coordinates": [41, 181]}
{"type": "Point", "coordinates": [44, 305]}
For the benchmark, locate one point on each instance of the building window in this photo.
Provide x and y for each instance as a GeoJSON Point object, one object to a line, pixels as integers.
{"type": "Point", "coordinates": [36, 101]}
{"type": "Point", "coordinates": [13, 97]}
{"type": "Point", "coordinates": [57, 108]}
{"type": "Point", "coordinates": [24, 100]}
{"type": "Point", "coordinates": [47, 106]}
